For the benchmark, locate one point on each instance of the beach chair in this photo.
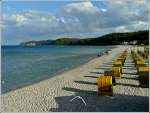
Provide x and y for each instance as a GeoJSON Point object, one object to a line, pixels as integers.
{"type": "Point", "coordinates": [118, 63]}
{"type": "Point", "coordinates": [139, 62]}
{"type": "Point", "coordinates": [122, 60]}
{"type": "Point", "coordinates": [145, 55]}
{"type": "Point", "coordinates": [144, 69]}
{"type": "Point", "coordinates": [110, 73]}
{"type": "Point", "coordinates": [117, 72]}
{"type": "Point", "coordinates": [144, 79]}
{"type": "Point", "coordinates": [105, 86]}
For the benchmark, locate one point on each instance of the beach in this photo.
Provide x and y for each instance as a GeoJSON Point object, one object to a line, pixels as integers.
{"type": "Point", "coordinates": [55, 93]}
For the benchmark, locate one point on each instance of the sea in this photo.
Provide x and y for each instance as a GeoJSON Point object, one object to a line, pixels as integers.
{"type": "Point", "coordinates": [25, 65]}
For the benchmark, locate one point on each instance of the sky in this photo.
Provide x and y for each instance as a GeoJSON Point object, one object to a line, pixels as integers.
{"type": "Point", "coordinates": [42, 20]}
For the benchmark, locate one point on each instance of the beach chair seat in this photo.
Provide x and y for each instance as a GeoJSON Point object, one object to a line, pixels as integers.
{"type": "Point", "coordinates": [105, 86]}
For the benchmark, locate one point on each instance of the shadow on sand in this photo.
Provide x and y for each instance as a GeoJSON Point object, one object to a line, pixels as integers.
{"type": "Point", "coordinates": [129, 78]}
{"type": "Point", "coordinates": [129, 73]}
{"type": "Point", "coordinates": [95, 103]}
{"type": "Point", "coordinates": [97, 72]}
{"type": "Point", "coordinates": [85, 82]}
{"type": "Point", "coordinates": [104, 67]}
{"type": "Point", "coordinates": [91, 76]}
{"type": "Point", "coordinates": [129, 68]}
{"type": "Point", "coordinates": [129, 62]}
{"type": "Point", "coordinates": [131, 85]}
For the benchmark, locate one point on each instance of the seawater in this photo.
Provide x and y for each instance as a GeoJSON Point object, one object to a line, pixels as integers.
{"type": "Point", "coordinates": [25, 65]}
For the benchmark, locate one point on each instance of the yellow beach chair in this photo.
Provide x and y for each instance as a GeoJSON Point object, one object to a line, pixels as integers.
{"type": "Point", "coordinates": [105, 86]}
{"type": "Point", "coordinates": [117, 72]}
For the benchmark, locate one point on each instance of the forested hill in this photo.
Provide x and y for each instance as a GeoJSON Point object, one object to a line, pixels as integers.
{"type": "Point", "coordinates": [140, 37]}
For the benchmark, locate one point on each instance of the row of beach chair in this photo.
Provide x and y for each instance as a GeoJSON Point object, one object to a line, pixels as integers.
{"type": "Point", "coordinates": [105, 83]}
{"type": "Point", "coordinates": [144, 54]}
{"type": "Point", "coordinates": [142, 69]}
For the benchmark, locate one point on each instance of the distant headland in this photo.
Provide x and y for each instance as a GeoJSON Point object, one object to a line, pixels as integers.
{"type": "Point", "coordinates": [138, 38]}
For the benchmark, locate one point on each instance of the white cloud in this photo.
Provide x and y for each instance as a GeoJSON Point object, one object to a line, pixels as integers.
{"type": "Point", "coordinates": [121, 29]}
{"type": "Point", "coordinates": [77, 18]}
{"type": "Point", "coordinates": [33, 21]}
{"type": "Point", "coordinates": [104, 10]}
{"type": "Point", "coordinates": [20, 19]}
{"type": "Point", "coordinates": [81, 7]}
{"type": "Point", "coordinates": [83, 15]}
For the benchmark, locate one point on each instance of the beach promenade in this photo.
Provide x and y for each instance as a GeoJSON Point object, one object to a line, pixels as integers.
{"type": "Point", "coordinates": [54, 94]}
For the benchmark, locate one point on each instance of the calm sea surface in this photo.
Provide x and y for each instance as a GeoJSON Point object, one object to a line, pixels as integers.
{"type": "Point", "coordinates": [24, 65]}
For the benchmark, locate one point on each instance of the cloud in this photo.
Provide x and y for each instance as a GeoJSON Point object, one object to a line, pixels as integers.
{"type": "Point", "coordinates": [31, 23]}
{"type": "Point", "coordinates": [82, 19]}
{"type": "Point", "coordinates": [84, 16]}
{"type": "Point", "coordinates": [121, 13]}
{"type": "Point", "coordinates": [81, 7]}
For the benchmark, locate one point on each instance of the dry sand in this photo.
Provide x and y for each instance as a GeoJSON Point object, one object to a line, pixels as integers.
{"type": "Point", "coordinates": [54, 94]}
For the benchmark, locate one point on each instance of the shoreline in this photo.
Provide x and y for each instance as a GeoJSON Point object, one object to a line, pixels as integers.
{"type": "Point", "coordinates": [56, 73]}
{"type": "Point", "coordinates": [53, 94]}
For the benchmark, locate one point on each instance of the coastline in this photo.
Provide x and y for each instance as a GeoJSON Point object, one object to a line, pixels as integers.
{"type": "Point", "coordinates": [48, 74]}
{"type": "Point", "coordinates": [58, 73]}
{"type": "Point", "coordinates": [46, 95]}
{"type": "Point", "coordinates": [55, 73]}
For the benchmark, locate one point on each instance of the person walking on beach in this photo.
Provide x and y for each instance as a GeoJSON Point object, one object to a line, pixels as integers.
{"type": "Point", "coordinates": [99, 54]}
{"type": "Point", "coordinates": [107, 52]}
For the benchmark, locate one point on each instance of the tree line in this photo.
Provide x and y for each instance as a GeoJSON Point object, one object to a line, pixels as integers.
{"type": "Point", "coordinates": [141, 37]}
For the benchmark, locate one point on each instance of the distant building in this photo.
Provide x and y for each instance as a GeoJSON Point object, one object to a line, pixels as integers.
{"type": "Point", "coordinates": [31, 44]}
{"type": "Point", "coordinates": [125, 43]}
{"type": "Point", "coordinates": [133, 42]}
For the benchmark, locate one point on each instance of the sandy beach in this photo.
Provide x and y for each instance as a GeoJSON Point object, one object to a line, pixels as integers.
{"type": "Point", "coordinates": [54, 94]}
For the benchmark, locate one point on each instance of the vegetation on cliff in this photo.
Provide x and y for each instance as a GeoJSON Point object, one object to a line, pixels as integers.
{"type": "Point", "coordinates": [140, 37]}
